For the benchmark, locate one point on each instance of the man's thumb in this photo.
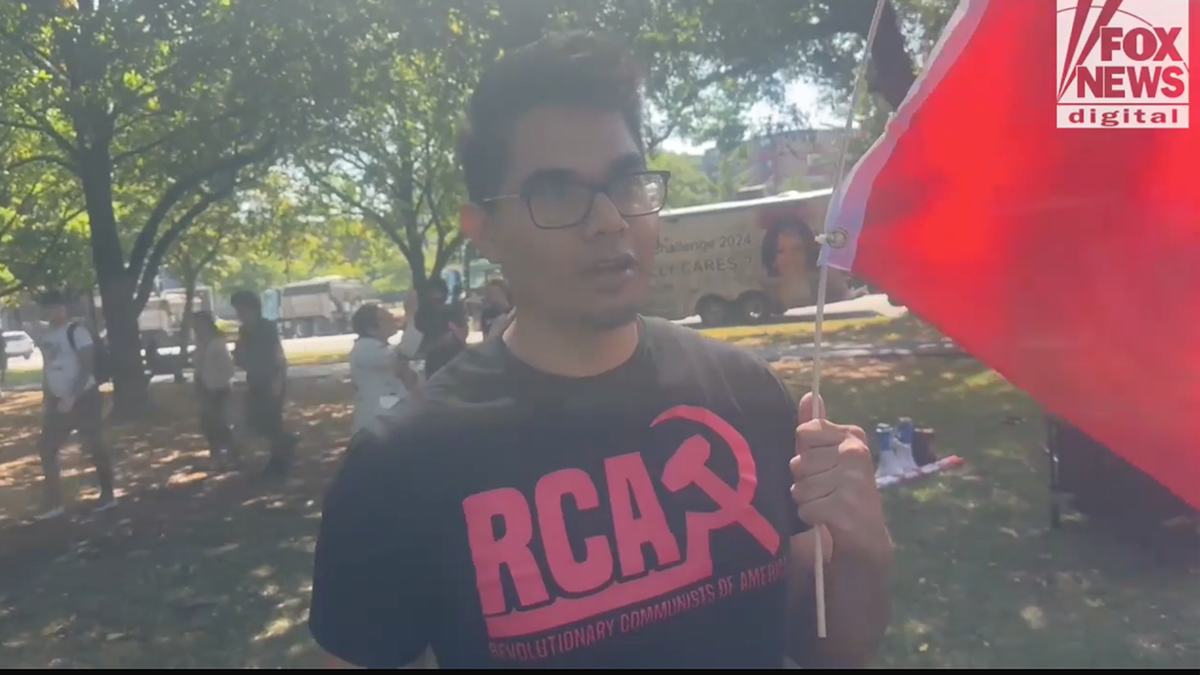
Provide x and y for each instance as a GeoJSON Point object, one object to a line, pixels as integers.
{"type": "Point", "coordinates": [809, 407]}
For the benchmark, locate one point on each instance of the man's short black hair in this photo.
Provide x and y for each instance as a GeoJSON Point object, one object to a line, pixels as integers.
{"type": "Point", "coordinates": [572, 70]}
{"type": "Point", "coordinates": [247, 299]}
{"type": "Point", "coordinates": [365, 319]}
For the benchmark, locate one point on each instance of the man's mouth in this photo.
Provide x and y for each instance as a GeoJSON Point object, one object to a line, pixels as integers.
{"type": "Point", "coordinates": [618, 265]}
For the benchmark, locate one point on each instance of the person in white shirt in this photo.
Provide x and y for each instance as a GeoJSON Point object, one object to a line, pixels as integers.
{"type": "Point", "coordinates": [380, 375]}
{"type": "Point", "coordinates": [71, 401]}
{"type": "Point", "coordinates": [214, 372]}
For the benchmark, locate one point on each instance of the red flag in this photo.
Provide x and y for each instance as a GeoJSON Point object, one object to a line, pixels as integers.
{"type": "Point", "coordinates": [1068, 259]}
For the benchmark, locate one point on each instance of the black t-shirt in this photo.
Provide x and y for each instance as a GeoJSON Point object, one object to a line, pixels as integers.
{"type": "Point", "coordinates": [257, 351]}
{"type": "Point", "coordinates": [639, 518]}
{"type": "Point", "coordinates": [434, 324]}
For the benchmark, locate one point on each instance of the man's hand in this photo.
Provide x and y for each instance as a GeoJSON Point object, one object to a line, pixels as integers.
{"type": "Point", "coordinates": [835, 482]}
{"type": "Point", "coordinates": [501, 324]}
{"type": "Point", "coordinates": [65, 404]}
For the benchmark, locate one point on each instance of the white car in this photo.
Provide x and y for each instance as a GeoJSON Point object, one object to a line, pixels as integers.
{"type": "Point", "coordinates": [18, 343]}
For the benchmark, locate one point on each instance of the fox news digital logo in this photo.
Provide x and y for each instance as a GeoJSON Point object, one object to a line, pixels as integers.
{"type": "Point", "coordinates": [1122, 64]}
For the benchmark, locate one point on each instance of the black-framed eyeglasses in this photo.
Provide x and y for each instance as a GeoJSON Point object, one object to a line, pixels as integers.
{"type": "Point", "coordinates": [561, 201]}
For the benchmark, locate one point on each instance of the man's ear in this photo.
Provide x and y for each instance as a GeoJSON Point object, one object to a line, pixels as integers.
{"type": "Point", "coordinates": [474, 222]}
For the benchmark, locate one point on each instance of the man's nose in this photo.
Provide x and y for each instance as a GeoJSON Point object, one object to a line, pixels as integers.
{"type": "Point", "coordinates": [604, 217]}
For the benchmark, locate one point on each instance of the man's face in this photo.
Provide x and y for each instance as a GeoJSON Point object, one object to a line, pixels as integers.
{"type": "Point", "coordinates": [244, 314]}
{"type": "Point", "coordinates": [55, 314]}
{"type": "Point", "coordinates": [596, 273]}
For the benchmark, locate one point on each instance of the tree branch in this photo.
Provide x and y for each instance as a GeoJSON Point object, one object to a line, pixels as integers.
{"type": "Point", "coordinates": [180, 188]}
{"type": "Point", "coordinates": [43, 126]}
{"type": "Point", "coordinates": [51, 159]}
{"type": "Point", "coordinates": [384, 224]}
{"type": "Point", "coordinates": [177, 132]}
{"type": "Point", "coordinates": [164, 243]}
{"type": "Point", "coordinates": [652, 142]}
{"type": "Point", "coordinates": [33, 55]}
{"type": "Point", "coordinates": [25, 281]}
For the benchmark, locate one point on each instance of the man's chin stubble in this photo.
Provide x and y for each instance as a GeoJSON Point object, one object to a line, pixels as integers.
{"type": "Point", "coordinates": [611, 319]}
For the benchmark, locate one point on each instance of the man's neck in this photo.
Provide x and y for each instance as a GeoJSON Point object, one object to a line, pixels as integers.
{"type": "Point", "coordinates": [569, 351]}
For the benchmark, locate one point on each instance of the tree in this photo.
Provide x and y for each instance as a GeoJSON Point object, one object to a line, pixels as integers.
{"type": "Point", "coordinates": [391, 162]}
{"type": "Point", "coordinates": [689, 185]}
{"type": "Point", "coordinates": [142, 102]}
{"type": "Point", "coordinates": [42, 229]}
{"type": "Point", "coordinates": [218, 236]}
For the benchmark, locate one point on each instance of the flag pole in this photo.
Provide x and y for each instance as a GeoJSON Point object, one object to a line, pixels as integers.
{"type": "Point", "coordinates": [822, 286]}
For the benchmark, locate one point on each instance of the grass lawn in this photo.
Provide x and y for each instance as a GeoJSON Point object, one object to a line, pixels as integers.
{"type": "Point", "coordinates": [199, 570]}
{"type": "Point", "coordinates": [871, 330]}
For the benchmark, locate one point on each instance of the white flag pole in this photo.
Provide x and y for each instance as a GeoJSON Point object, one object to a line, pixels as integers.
{"type": "Point", "coordinates": [822, 284]}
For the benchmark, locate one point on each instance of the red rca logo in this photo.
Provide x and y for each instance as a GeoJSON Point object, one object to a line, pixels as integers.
{"type": "Point", "coordinates": [504, 530]}
{"type": "Point", "coordinates": [1122, 63]}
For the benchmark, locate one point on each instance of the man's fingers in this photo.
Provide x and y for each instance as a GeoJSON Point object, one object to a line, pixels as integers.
{"type": "Point", "coordinates": [816, 433]}
{"type": "Point", "coordinates": [809, 406]}
{"type": "Point", "coordinates": [814, 461]}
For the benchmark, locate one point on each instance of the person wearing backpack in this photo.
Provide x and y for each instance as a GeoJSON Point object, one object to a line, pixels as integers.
{"type": "Point", "coordinates": [71, 400]}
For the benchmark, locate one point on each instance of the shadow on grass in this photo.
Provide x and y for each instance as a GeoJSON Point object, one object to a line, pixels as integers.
{"type": "Point", "coordinates": [200, 570]}
{"type": "Point", "coordinates": [982, 582]}
{"type": "Point", "coordinates": [192, 569]}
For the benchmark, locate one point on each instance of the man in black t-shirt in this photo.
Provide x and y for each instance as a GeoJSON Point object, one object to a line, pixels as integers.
{"type": "Point", "coordinates": [260, 353]}
{"type": "Point", "coordinates": [593, 489]}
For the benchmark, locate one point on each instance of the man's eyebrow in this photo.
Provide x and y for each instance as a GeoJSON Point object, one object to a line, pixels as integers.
{"type": "Point", "coordinates": [634, 161]}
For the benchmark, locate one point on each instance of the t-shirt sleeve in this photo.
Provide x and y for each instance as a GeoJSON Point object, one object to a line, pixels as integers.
{"type": "Point", "coordinates": [369, 602]}
{"type": "Point", "coordinates": [784, 422]}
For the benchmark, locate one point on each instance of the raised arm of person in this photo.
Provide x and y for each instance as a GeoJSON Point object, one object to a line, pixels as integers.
{"type": "Point", "coordinates": [85, 352]}
{"type": "Point", "coordinates": [457, 318]}
{"type": "Point", "coordinates": [370, 602]}
{"type": "Point", "coordinates": [501, 324]}
{"type": "Point", "coordinates": [410, 378]}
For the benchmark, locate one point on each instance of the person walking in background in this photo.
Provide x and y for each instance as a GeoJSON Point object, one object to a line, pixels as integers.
{"type": "Point", "coordinates": [381, 377]}
{"type": "Point", "coordinates": [496, 304]}
{"type": "Point", "coordinates": [214, 373]}
{"type": "Point", "coordinates": [443, 325]}
{"type": "Point", "coordinates": [71, 401]}
{"type": "Point", "coordinates": [260, 353]}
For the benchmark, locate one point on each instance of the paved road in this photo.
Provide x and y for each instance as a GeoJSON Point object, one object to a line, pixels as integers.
{"type": "Point", "coordinates": [871, 305]}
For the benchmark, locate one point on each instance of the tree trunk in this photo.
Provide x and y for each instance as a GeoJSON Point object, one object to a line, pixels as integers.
{"type": "Point", "coordinates": [117, 287]}
{"type": "Point", "coordinates": [416, 265]}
